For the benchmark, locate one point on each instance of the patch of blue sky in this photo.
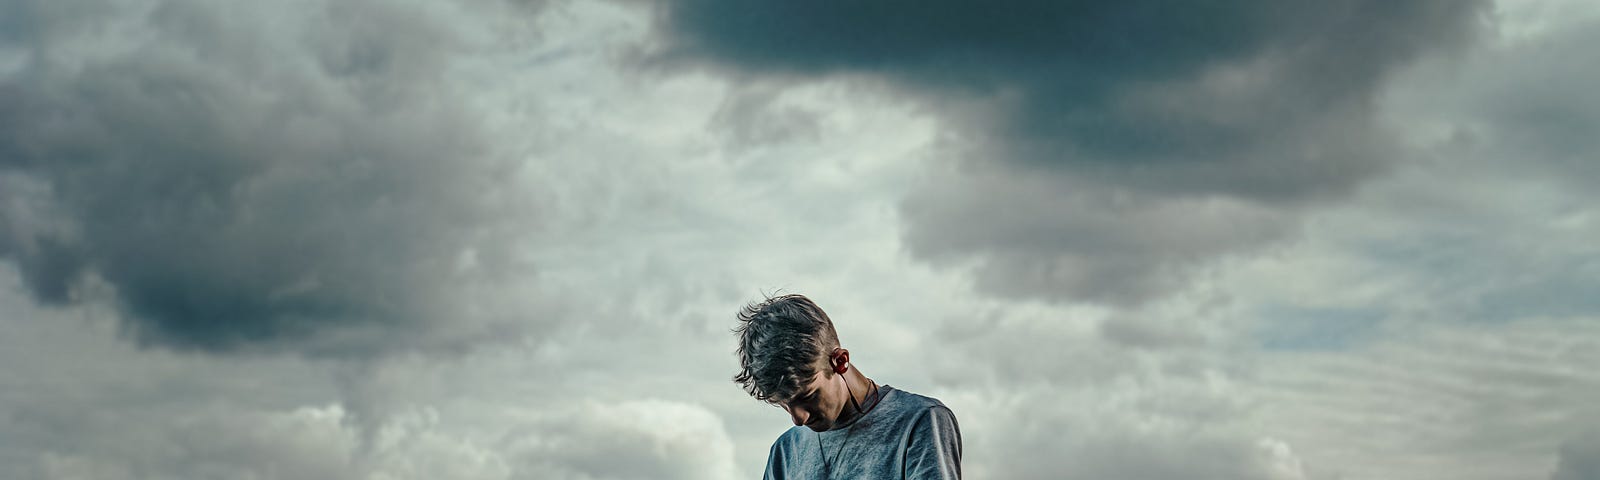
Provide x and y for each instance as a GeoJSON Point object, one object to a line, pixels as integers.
{"type": "Point", "coordinates": [1573, 290]}
{"type": "Point", "coordinates": [1288, 327]}
{"type": "Point", "coordinates": [1481, 278]}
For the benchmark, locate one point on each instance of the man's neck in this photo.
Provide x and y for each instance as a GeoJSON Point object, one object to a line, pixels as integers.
{"type": "Point", "coordinates": [862, 390]}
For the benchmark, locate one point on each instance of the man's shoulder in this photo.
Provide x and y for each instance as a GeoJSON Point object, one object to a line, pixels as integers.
{"type": "Point", "coordinates": [912, 401]}
{"type": "Point", "coordinates": [793, 436]}
{"type": "Point", "coordinates": [911, 405]}
{"type": "Point", "coordinates": [903, 410]}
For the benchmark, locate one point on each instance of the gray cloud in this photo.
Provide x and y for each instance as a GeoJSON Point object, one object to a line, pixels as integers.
{"type": "Point", "coordinates": [754, 116]}
{"type": "Point", "coordinates": [1492, 218]}
{"type": "Point", "coordinates": [1502, 395]}
{"type": "Point", "coordinates": [1536, 101]}
{"type": "Point", "coordinates": [1146, 428]}
{"type": "Point", "coordinates": [1048, 235]}
{"type": "Point", "coordinates": [250, 177]}
{"type": "Point", "coordinates": [115, 411]}
{"type": "Point", "coordinates": [640, 439]}
{"type": "Point", "coordinates": [1529, 99]}
{"type": "Point", "coordinates": [1265, 106]}
{"type": "Point", "coordinates": [1579, 459]}
{"type": "Point", "coordinates": [1151, 456]}
{"type": "Point", "coordinates": [1099, 83]}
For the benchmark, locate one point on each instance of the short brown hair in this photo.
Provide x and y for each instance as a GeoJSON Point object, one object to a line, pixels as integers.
{"type": "Point", "coordinates": [780, 340]}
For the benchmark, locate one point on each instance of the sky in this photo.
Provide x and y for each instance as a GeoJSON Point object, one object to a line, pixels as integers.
{"type": "Point", "coordinates": [507, 239]}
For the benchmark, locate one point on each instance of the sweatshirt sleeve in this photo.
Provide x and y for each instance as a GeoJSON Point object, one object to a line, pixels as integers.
{"type": "Point", "coordinates": [774, 469]}
{"type": "Point", "coordinates": [934, 448]}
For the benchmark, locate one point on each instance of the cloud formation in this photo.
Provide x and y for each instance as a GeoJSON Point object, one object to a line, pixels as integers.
{"type": "Point", "coordinates": [647, 439]}
{"type": "Point", "coordinates": [1229, 115]}
{"type": "Point", "coordinates": [304, 176]}
{"type": "Point", "coordinates": [1580, 459]}
{"type": "Point", "coordinates": [639, 439]}
{"type": "Point", "coordinates": [116, 411]}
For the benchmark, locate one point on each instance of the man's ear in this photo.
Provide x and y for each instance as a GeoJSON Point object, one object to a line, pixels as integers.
{"type": "Point", "coordinates": [841, 360]}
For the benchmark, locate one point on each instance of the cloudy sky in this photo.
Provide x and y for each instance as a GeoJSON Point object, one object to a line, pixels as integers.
{"type": "Point", "coordinates": [505, 239]}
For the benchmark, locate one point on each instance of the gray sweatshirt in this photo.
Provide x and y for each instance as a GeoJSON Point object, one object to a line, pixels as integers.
{"type": "Point", "coordinates": [906, 436]}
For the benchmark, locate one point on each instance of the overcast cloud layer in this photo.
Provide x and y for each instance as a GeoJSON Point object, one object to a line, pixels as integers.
{"type": "Point", "coordinates": [506, 240]}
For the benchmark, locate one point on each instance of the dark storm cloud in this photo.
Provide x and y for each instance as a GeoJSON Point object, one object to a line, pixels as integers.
{"type": "Point", "coordinates": [1090, 82]}
{"type": "Point", "coordinates": [244, 176]}
{"type": "Point", "coordinates": [1166, 108]}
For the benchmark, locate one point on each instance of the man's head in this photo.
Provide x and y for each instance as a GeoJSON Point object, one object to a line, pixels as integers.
{"type": "Point", "coordinates": [789, 356]}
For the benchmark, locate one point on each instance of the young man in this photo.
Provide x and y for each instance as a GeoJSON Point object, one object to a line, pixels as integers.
{"type": "Point", "coordinates": [854, 428]}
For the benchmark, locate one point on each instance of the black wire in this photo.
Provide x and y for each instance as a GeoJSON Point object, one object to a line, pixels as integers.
{"type": "Point", "coordinates": [827, 470]}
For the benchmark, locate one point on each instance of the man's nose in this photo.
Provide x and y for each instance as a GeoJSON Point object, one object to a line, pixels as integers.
{"type": "Point", "coordinates": [799, 416]}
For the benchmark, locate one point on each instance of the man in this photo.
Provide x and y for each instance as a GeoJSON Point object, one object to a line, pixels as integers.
{"type": "Point", "coordinates": [789, 356]}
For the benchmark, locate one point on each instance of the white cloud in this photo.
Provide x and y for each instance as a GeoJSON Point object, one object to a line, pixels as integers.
{"type": "Point", "coordinates": [630, 440]}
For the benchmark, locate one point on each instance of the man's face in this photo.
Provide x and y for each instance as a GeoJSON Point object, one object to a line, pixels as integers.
{"type": "Point", "coordinates": [820, 401]}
